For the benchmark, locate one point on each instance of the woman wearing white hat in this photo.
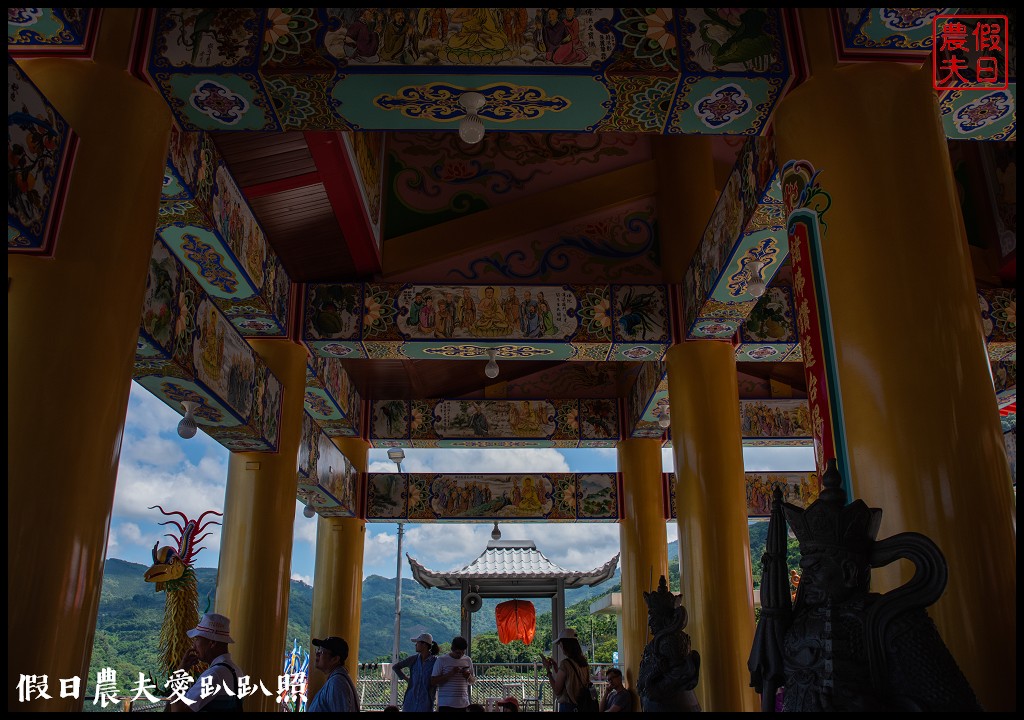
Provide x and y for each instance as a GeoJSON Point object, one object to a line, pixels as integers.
{"type": "Point", "coordinates": [573, 673]}
{"type": "Point", "coordinates": [419, 694]}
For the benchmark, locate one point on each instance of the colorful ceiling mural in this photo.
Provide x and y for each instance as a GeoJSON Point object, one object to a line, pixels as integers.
{"type": "Point", "coordinates": [769, 333]}
{"type": "Point", "coordinates": [533, 497]}
{"type": "Point", "coordinates": [876, 33]}
{"type": "Point", "coordinates": [999, 322]}
{"type": "Point", "coordinates": [208, 224]}
{"type": "Point", "coordinates": [584, 422]}
{"type": "Point", "coordinates": [746, 234]}
{"type": "Point", "coordinates": [327, 480]}
{"type": "Point", "coordinates": [189, 351]}
{"type": "Point", "coordinates": [40, 154]}
{"type": "Point", "coordinates": [798, 488]}
{"type": "Point", "coordinates": [523, 322]}
{"type": "Point", "coordinates": [659, 70]}
{"type": "Point", "coordinates": [434, 177]}
{"type": "Point", "coordinates": [331, 398]}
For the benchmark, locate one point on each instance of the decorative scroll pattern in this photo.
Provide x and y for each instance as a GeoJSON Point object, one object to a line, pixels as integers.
{"type": "Point", "coordinates": [327, 480]}
{"type": "Point", "coordinates": [188, 350]}
{"type": "Point", "coordinates": [352, 68]}
{"type": "Point", "coordinates": [65, 32]}
{"type": "Point", "coordinates": [532, 497]}
{"type": "Point", "coordinates": [40, 153]}
{"type": "Point", "coordinates": [798, 488]}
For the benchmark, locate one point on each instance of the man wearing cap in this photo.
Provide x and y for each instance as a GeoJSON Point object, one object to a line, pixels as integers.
{"type": "Point", "coordinates": [339, 692]}
{"type": "Point", "coordinates": [509, 704]}
{"type": "Point", "coordinates": [419, 694]}
{"type": "Point", "coordinates": [210, 639]}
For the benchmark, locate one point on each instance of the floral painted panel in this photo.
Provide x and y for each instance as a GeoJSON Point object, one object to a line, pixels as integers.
{"type": "Point", "coordinates": [40, 153]}
{"type": "Point", "coordinates": [775, 419]}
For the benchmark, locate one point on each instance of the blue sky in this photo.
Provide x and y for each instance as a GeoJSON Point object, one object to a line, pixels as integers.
{"type": "Point", "coordinates": [158, 467]}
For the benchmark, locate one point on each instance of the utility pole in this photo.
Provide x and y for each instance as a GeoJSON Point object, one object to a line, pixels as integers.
{"type": "Point", "coordinates": [397, 455]}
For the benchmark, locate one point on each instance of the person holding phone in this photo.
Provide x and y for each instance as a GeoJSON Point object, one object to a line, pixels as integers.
{"type": "Point", "coordinates": [571, 674]}
{"type": "Point", "coordinates": [452, 675]}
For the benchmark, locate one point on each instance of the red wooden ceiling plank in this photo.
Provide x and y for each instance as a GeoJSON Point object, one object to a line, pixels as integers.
{"type": "Point", "coordinates": [342, 186]}
{"type": "Point", "coordinates": [275, 186]}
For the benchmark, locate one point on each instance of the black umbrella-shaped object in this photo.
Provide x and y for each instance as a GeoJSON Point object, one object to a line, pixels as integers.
{"type": "Point", "coordinates": [766, 655]}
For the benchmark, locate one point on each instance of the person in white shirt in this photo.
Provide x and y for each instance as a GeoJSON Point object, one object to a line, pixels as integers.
{"type": "Point", "coordinates": [210, 639]}
{"type": "Point", "coordinates": [452, 675]}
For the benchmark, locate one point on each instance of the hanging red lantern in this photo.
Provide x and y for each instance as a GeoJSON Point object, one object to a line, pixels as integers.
{"type": "Point", "coordinates": [517, 620]}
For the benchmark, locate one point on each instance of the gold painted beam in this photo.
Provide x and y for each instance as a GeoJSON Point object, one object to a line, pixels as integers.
{"type": "Point", "coordinates": [480, 231]}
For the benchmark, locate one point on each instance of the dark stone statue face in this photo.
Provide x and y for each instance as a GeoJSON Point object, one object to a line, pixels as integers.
{"type": "Point", "coordinates": [826, 576]}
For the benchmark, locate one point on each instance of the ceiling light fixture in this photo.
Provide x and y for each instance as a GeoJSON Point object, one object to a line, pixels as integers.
{"type": "Point", "coordinates": [308, 511]}
{"type": "Point", "coordinates": [471, 127]}
{"type": "Point", "coordinates": [491, 368]}
{"type": "Point", "coordinates": [664, 417]}
{"type": "Point", "coordinates": [755, 283]}
{"type": "Point", "coordinates": [397, 455]}
{"type": "Point", "coordinates": [495, 533]}
{"type": "Point", "coordinates": [187, 427]}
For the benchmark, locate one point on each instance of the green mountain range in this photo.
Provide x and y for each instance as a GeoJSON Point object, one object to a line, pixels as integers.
{"type": "Point", "coordinates": [130, 615]}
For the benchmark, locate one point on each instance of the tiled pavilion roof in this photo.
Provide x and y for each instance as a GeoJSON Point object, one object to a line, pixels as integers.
{"type": "Point", "coordinates": [505, 560]}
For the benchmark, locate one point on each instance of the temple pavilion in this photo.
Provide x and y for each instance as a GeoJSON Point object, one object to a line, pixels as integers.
{"type": "Point", "coordinates": [316, 231]}
{"type": "Point", "coordinates": [512, 569]}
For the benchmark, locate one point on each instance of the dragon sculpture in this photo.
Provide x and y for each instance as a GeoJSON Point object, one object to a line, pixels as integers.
{"type": "Point", "coordinates": [172, 571]}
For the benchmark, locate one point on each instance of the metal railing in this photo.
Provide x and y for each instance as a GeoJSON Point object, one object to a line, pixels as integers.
{"type": "Point", "coordinates": [527, 682]}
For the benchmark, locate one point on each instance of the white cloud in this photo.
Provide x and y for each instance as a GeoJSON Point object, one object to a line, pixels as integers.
{"type": "Point", "coordinates": [131, 533]}
{"type": "Point", "coordinates": [307, 579]}
{"type": "Point", "coordinates": [473, 460]}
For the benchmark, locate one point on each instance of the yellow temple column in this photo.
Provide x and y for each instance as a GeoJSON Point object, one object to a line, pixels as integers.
{"type": "Point", "coordinates": [711, 506]}
{"type": "Point", "coordinates": [338, 577]}
{"type": "Point", "coordinates": [919, 408]}
{"type": "Point", "coordinates": [254, 574]}
{"type": "Point", "coordinates": [643, 543]}
{"type": "Point", "coordinates": [72, 327]}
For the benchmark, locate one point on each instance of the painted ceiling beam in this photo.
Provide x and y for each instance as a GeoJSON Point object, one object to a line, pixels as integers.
{"type": "Point", "coordinates": [342, 187]}
{"type": "Point", "coordinates": [481, 231]}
